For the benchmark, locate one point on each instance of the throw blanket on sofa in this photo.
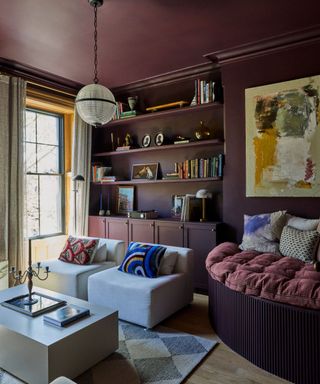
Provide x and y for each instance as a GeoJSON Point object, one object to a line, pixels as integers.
{"type": "Point", "coordinates": [267, 275]}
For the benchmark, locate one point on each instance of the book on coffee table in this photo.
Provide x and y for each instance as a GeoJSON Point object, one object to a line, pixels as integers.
{"type": "Point", "coordinates": [66, 315]}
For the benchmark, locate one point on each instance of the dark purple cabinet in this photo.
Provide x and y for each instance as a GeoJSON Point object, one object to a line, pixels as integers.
{"type": "Point", "coordinates": [170, 233]}
{"type": "Point", "coordinates": [97, 226]}
{"type": "Point", "coordinates": [142, 230]}
{"type": "Point", "coordinates": [201, 238]}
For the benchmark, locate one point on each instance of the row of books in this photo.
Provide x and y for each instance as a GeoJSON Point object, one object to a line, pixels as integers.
{"type": "Point", "coordinates": [99, 172]}
{"type": "Point", "coordinates": [198, 168]}
{"type": "Point", "coordinates": [203, 92]}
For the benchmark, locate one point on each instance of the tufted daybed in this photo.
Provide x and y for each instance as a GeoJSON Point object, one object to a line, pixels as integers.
{"type": "Point", "coordinates": [266, 307]}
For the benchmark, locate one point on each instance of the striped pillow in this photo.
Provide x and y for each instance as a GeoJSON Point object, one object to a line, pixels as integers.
{"type": "Point", "coordinates": [142, 259]}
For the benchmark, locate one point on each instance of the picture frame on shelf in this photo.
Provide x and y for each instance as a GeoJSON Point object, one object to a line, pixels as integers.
{"type": "Point", "coordinates": [148, 171]}
{"type": "Point", "coordinates": [146, 140]}
{"type": "Point", "coordinates": [177, 204]}
{"type": "Point", "coordinates": [159, 139]}
{"type": "Point", "coordinates": [125, 199]}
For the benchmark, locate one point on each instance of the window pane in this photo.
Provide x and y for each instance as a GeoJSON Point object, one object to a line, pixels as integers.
{"type": "Point", "coordinates": [48, 159]}
{"type": "Point", "coordinates": [32, 205]}
{"type": "Point", "coordinates": [48, 129]}
{"type": "Point", "coordinates": [50, 204]}
{"type": "Point", "coordinates": [31, 165]}
{"type": "Point", "coordinates": [31, 126]}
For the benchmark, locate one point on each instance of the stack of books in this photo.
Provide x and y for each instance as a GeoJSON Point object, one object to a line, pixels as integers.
{"type": "Point", "coordinates": [65, 315]}
{"type": "Point", "coordinates": [99, 171]}
{"type": "Point", "coordinates": [110, 179]}
{"type": "Point", "coordinates": [191, 208]}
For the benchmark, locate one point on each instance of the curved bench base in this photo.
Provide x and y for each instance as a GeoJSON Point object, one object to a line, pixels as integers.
{"type": "Point", "coordinates": [279, 338]}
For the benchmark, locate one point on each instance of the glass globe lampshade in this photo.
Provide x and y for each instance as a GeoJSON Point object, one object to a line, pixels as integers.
{"type": "Point", "coordinates": [96, 104]}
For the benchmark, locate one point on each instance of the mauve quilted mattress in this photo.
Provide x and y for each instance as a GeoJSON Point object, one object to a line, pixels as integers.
{"type": "Point", "coordinates": [267, 275]}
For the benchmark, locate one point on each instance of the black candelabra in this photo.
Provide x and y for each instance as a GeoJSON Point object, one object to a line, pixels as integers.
{"type": "Point", "coordinates": [21, 277]}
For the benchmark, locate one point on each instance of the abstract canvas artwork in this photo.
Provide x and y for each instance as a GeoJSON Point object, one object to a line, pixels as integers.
{"type": "Point", "coordinates": [283, 139]}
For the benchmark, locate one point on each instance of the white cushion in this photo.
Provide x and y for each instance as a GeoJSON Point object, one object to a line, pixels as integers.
{"type": "Point", "coordinates": [140, 300]}
{"type": "Point", "coordinates": [70, 279]}
{"type": "Point", "coordinates": [168, 263]}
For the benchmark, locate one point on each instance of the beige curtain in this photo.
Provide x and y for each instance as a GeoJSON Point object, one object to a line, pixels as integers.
{"type": "Point", "coordinates": [12, 112]}
{"type": "Point", "coordinates": [81, 165]}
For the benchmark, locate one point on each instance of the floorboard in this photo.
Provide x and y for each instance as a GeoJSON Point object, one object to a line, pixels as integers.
{"type": "Point", "coordinates": [222, 365]}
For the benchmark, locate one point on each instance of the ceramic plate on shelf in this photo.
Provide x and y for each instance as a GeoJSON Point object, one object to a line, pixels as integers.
{"type": "Point", "coordinates": [146, 140]}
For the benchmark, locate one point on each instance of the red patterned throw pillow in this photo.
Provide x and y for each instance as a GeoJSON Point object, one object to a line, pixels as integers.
{"type": "Point", "coordinates": [79, 251]}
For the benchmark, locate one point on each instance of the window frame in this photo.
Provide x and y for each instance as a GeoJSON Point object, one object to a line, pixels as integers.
{"type": "Point", "coordinates": [61, 173]}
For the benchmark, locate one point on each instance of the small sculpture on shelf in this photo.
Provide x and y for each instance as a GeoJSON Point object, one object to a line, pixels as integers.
{"type": "Point", "coordinates": [202, 132]}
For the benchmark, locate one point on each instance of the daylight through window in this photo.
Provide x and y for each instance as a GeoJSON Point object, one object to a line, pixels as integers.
{"type": "Point", "coordinates": [44, 173]}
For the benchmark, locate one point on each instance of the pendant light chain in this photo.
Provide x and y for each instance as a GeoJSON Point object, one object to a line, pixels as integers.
{"type": "Point", "coordinates": [95, 36]}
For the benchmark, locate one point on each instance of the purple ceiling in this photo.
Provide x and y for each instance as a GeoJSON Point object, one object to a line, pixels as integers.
{"type": "Point", "coordinates": [139, 38]}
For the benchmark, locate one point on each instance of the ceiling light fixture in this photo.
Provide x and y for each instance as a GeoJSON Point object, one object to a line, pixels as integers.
{"type": "Point", "coordinates": [95, 103]}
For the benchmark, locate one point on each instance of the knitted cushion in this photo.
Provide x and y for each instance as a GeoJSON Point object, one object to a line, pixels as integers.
{"type": "Point", "coordinates": [299, 244]}
{"type": "Point", "coordinates": [142, 259]}
{"type": "Point", "coordinates": [79, 251]}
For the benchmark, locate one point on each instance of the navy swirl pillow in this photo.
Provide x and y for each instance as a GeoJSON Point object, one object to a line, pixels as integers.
{"type": "Point", "coordinates": [142, 259]}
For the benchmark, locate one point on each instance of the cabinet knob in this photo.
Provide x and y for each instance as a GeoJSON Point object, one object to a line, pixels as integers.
{"type": "Point", "coordinates": [213, 229]}
{"type": "Point", "coordinates": [152, 225]}
{"type": "Point", "coordinates": [126, 222]}
{"type": "Point", "coordinates": [180, 226]}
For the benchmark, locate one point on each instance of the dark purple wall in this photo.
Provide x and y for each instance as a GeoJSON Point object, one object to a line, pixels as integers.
{"type": "Point", "coordinates": [236, 77]}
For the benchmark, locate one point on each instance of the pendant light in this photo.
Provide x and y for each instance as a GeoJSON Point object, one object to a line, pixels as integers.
{"type": "Point", "coordinates": [95, 103]}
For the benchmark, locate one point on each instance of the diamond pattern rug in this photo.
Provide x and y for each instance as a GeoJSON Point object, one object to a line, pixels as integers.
{"type": "Point", "coordinates": [159, 356]}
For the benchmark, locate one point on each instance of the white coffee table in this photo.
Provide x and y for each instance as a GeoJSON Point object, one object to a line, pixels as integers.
{"type": "Point", "coordinates": [37, 352]}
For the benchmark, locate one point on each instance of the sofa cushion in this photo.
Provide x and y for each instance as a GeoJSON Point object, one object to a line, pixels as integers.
{"type": "Point", "coordinates": [262, 232]}
{"type": "Point", "coordinates": [268, 275]}
{"type": "Point", "coordinates": [302, 223]}
{"type": "Point", "coordinates": [79, 250]}
{"type": "Point", "coordinates": [168, 263]}
{"type": "Point", "coordinates": [299, 244]}
{"type": "Point", "coordinates": [142, 259]}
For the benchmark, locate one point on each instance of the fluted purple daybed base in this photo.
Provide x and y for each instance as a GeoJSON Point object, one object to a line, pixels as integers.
{"type": "Point", "coordinates": [280, 338]}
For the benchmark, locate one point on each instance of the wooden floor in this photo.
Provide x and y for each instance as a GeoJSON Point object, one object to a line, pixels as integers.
{"type": "Point", "coordinates": [222, 365]}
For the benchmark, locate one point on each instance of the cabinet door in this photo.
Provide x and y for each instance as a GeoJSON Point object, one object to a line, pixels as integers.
{"type": "Point", "coordinates": [201, 238]}
{"type": "Point", "coordinates": [117, 229]}
{"type": "Point", "coordinates": [170, 233]}
{"type": "Point", "coordinates": [97, 226]}
{"type": "Point", "coordinates": [141, 230]}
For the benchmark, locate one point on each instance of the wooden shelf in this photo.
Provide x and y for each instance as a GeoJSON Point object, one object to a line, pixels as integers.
{"type": "Point", "coordinates": [125, 182]}
{"type": "Point", "coordinates": [200, 143]}
{"type": "Point", "coordinates": [169, 113]}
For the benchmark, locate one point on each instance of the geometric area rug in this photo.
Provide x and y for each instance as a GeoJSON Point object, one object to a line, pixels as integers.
{"type": "Point", "coordinates": [159, 356]}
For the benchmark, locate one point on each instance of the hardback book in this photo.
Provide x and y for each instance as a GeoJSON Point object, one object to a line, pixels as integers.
{"type": "Point", "coordinates": [66, 315]}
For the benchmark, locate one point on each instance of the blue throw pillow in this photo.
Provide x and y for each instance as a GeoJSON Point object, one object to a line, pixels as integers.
{"type": "Point", "coordinates": [142, 259]}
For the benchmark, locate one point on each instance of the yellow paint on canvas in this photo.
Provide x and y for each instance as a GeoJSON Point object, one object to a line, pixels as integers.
{"type": "Point", "coordinates": [303, 184]}
{"type": "Point", "coordinates": [265, 149]}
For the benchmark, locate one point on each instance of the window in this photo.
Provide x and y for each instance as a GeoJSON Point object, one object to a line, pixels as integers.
{"type": "Point", "coordinates": [44, 173]}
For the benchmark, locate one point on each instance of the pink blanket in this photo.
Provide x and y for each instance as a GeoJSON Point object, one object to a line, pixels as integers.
{"type": "Point", "coordinates": [267, 275]}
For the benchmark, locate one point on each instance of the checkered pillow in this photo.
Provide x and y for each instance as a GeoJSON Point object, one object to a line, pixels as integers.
{"type": "Point", "coordinates": [299, 244]}
{"type": "Point", "coordinates": [79, 251]}
{"type": "Point", "coordinates": [142, 259]}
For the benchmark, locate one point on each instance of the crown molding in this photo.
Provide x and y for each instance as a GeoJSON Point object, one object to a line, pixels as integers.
{"type": "Point", "coordinates": [269, 45]}
{"type": "Point", "coordinates": [167, 78]}
{"type": "Point", "coordinates": [39, 77]}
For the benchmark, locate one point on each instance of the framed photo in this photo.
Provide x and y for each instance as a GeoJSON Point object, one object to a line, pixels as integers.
{"type": "Point", "coordinates": [146, 140]}
{"type": "Point", "coordinates": [125, 199]}
{"type": "Point", "coordinates": [159, 139]}
{"type": "Point", "coordinates": [177, 204]}
{"type": "Point", "coordinates": [147, 171]}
